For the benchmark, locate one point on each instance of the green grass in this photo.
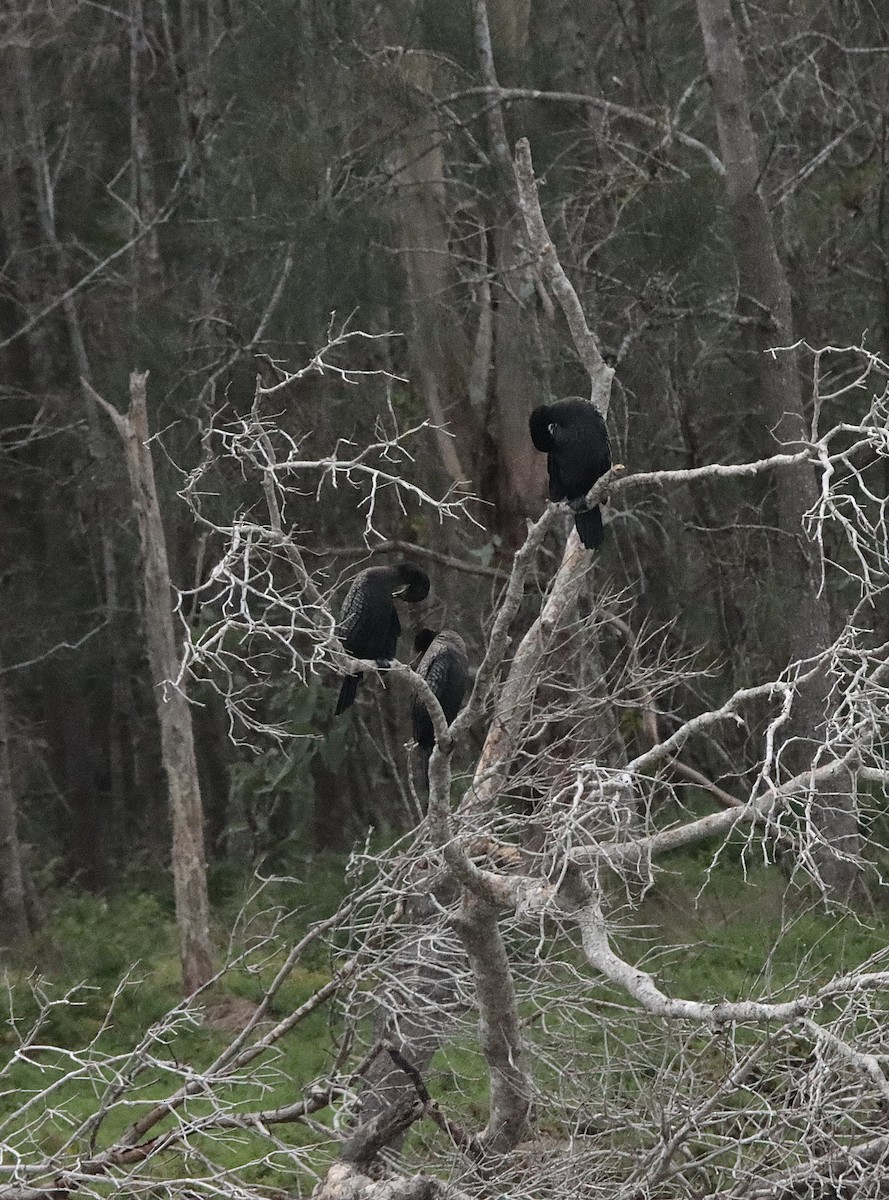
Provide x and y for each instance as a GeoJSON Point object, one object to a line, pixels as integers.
{"type": "Point", "coordinates": [738, 935]}
{"type": "Point", "coordinates": [75, 965]}
{"type": "Point", "coordinates": [746, 934]}
{"type": "Point", "coordinates": [737, 938]}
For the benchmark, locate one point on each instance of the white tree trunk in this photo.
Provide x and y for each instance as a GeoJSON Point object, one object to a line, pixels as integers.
{"type": "Point", "coordinates": [174, 713]}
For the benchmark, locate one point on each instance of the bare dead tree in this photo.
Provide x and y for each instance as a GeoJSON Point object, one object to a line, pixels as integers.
{"type": "Point", "coordinates": [468, 951]}
{"type": "Point", "coordinates": [468, 886]}
{"type": "Point", "coordinates": [466, 940]}
{"type": "Point", "coordinates": [174, 713]}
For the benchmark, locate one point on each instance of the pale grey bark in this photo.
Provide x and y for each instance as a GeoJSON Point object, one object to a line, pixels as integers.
{"type": "Point", "coordinates": [439, 347]}
{"type": "Point", "coordinates": [515, 31]}
{"type": "Point", "coordinates": [543, 252]}
{"type": "Point", "coordinates": [520, 686]}
{"type": "Point", "coordinates": [500, 1037]}
{"type": "Point", "coordinates": [343, 1182]}
{"type": "Point", "coordinates": [413, 1016]}
{"type": "Point", "coordinates": [174, 713]}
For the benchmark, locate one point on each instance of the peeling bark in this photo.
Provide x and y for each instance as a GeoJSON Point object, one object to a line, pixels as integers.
{"type": "Point", "coordinates": [344, 1182]}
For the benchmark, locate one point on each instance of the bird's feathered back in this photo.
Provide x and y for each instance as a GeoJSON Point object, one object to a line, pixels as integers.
{"type": "Point", "coordinates": [573, 435]}
{"type": "Point", "coordinates": [369, 625]}
{"type": "Point", "coordinates": [445, 667]}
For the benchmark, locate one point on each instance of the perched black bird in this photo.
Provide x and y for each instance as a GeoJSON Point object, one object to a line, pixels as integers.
{"type": "Point", "coordinates": [574, 438]}
{"type": "Point", "coordinates": [445, 668]}
{"type": "Point", "coordinates": [369, 625]}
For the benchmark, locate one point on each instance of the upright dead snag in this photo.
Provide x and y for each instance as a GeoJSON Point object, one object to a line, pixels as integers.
{"type": "Point", "coordinates": [174, 713]}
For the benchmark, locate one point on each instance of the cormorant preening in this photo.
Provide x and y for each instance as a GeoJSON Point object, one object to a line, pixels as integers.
{"type": "Point", "coordinates": [445, 668]}
{"type": "Point", "coordinates": [574, 438]}
{"type": "Point", "coordinates": [369, 625]}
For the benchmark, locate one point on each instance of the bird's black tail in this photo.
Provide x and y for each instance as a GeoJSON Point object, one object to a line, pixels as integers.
{"type": "Point", "coordinates": [589, 527]}
{"type": "Point", "coordinates": [348, 692]}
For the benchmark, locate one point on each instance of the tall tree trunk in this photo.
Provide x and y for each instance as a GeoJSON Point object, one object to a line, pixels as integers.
{"type": "Point", "coordinates": [146, 257]}
{"type": "Point", "coordinates": [519, 382]}
{"type": "Point", "coordinates": [118, 714]}
{"type": "Point", "coordinates": [765, 295]}
{"type": "Point", "coordinates": [418, 1008]}
{"type": "Point", "coordinates": [17, 926]}
{"type": "Point", "coordinates": [438, 344]}
{"type": "Point", "coordinates": [729, 617]}
{"type": "Point", "coordinates": [174, 714]}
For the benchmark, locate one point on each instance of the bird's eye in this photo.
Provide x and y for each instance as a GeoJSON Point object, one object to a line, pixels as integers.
{"type": "Point", "coordinates": [552, 429]}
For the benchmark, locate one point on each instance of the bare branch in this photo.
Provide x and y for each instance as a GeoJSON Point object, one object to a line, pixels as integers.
{"type": "Point", "coordinates": [541, 249]}
{"type": "Point", "coordinates": [621, 111]}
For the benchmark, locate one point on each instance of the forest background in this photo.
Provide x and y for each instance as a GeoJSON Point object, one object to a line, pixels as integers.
{"type": "Point", "coordinates": [210, 191]}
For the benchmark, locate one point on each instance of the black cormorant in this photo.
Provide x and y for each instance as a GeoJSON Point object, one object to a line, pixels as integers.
{"type": "Point", "coordinates": [445, 668]}
{"type": "Point", "coordinates": [369, 625]}
{"type": "Point", "coordinates": [574, 438]}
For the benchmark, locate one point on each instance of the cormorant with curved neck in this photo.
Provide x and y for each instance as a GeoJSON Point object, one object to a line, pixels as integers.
{"type": "Point", "coordinates": [574, 438]}
{"type": "Point", "coordinates": [445, 668]}
{"type": "Point", "coordinates": [369, 625]}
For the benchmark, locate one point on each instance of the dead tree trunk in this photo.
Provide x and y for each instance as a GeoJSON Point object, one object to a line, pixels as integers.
{"type": "Point", "coordinates": [174, 714]}
{"type": "Point", "coordinates": [417, 1014]}
{"type": "Point", "coordinates": [765, 293]}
